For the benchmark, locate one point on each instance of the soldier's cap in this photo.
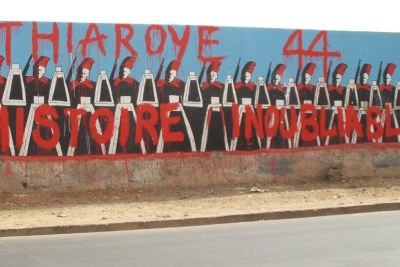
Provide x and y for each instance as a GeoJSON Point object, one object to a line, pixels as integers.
{"type": "Point", "coordinates": [309, 68]}
{"type": "Point", "coordinates": [249, 67]}
{"type": "Point", "coordinates": [366, 68]}
{"type": "Point", "coordinates": [87, 63]}
{"type": "Point", "coordinates": [340, 69]}
{"type": "Point", "coordinates": [214, 66]}
{"type": "Point", "coordinates": [42, 61]}
{"type": "Point", "coordinates": [128, 62]}
{"type": "Point", "coordinates": [279, 69]}
{"type": "Point", "coordinates": [173, 65]}
{"type": "Point", "coordinates": [390, 67]}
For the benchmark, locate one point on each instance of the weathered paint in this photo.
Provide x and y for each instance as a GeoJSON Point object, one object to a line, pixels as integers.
{"type": "Point", "coordinates": [188, 105]}
{"type": "Point", "coordinates": [198, 169]}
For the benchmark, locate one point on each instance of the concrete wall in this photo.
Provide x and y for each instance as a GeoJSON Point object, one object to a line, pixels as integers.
{"type": "Point", "coordinates": [197, 169]}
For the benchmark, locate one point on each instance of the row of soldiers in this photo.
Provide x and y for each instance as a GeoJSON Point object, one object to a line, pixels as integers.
{"type": "Point", "coordinates": [212, 91]}
{"type": "Point", "coordinates": [125, 85]}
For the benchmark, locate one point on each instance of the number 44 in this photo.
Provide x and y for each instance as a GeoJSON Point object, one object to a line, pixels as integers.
{"type": "Point", "coordinates": [294, 46]}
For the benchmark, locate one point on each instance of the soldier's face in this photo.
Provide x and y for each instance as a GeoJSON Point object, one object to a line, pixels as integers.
{"type": "Point", "coordinates": [338, 79]}
{"type": "Point", "coordinates": [126, 73]}
{"type": "Point", "coordinates": [85, 74]}
{"type": "Point", "coordinates": [307, 78]}
{"type": "Point", "coordinates": [388, 79]}
{"type": "Point", "coordinates": [365, 78]}
{"type": "Point", "coordinates": [172, 75]}
{"type": "Point", "coordinates": [247, 77]}
{"type": "Point", "coordinates": [40, 71]}
{"type": "Point", "coordinates": [277, 79]}
{"type": "Point", "coordinates": [213, 76]}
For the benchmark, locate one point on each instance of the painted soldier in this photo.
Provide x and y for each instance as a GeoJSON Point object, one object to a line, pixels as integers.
{"type": "Point", "coordinates": [3, 80]}
{"type": "Point", "coordinates": [82, 86]}
{"type": "Point", "coordinates": [363, 87]}
{"type": "Point", "coordinates": [306, 92]}
{"type": "Point", "coordinates": [171, 86]}
{"type": "Point", "coordinates": [168, 88]}
{"type": "Point", "coordinates": [336, 90]}
{"type": "Point", "coordinates": [38, 84]}
{"type": "Point", "coordinates": [212, 87]}
{"type": "Point", "coordinates": [363, 91]}
{"type": "Point", "coordinates": [276, 89]}
{"type": "Point", "coordinates": [124, 85]}
{"type": "Point", "coordinates": [246, 88]}
{"type": "Point", "coordinates": [277, 92]}
{"type": "Point", "coordinates": [386, 88]}
{"type": "Point", "coordinates": [306, 89]}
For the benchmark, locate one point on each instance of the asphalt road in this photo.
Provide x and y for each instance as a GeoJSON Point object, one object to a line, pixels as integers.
{"type": "Point", "coordinates": [368, 239]}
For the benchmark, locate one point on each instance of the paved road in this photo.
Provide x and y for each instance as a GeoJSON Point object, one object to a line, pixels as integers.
{"type": "Point", "coordinates": [369, 239]}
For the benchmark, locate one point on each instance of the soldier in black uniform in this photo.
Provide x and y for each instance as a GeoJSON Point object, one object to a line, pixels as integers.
{"type": "Point", "coordinates": [363, 87]}
{"type": "Point", "coordinates": [386, 89]}
{"type": "Point", "coordinates": [276, 92]}
{"type": "Point", "coordinates": [336, 90]}
{"type": "Point", "coordinates": [38, 84]}
{"type": "Point", "coordinates": [212, 87]}
{"type": "Point", "coordinates": [82, 86]}
{"type": "Point", "coordinates": [276, 89]}
{"type": "Point", "coordinates": [246, 88]}
{"type": "Point", "coordinates": [363, 92]}
{"type": "Point", "coordinates": [171, 85]}
{"type": "Point", "coordinates": [337, 93]}
{"type": "Point", "coordinates": [306, 89]}
{"type": "Point", "coordinates": [124, 85]}
{"type": "Point", "coordinates": [306, 92]}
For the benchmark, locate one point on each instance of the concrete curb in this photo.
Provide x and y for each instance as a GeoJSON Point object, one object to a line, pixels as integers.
{"type": "Point", "coordinates": [274, 215]}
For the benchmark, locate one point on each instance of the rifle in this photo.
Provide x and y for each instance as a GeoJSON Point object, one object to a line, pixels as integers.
{"type": "Point", "coordinates": [203, 69]}
{"type": "Point", "coordinates": [160, 69]}
{"type": "Point", "coordinates": [71, 69]}
{"type": "Point", "coordinates": [328, 73]}
{"type": "Point", "coordinates": [357, 71]}
{"type": "Point", "coordinates": [268, 73]}
{"type": "Point", "coordinates": [297, 76]}
{"type": "Point", "coordinates": [378, 80]}
{"type": "Point", "coordinates": [27, 65]}
{"type": "Point", "coordinates": [113, 70]}
{"type": "Point", "coordinates": [237, 71]}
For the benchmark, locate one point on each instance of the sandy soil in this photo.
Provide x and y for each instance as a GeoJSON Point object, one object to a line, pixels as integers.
{"type": "Point", "coordinates": [40, 208]}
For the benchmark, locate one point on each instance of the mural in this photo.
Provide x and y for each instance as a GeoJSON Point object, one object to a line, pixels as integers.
{"type": "Point", "coordinates": [95, 89]}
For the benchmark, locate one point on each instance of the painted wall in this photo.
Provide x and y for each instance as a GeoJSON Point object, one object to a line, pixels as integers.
{"type": "Point", "coordinates": [96, 89]}
{"type": "Point", "coordinates": [372, 161]}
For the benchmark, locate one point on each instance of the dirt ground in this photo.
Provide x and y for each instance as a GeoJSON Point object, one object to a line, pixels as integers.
{"type": "Point", "coordinates": [43, 207]}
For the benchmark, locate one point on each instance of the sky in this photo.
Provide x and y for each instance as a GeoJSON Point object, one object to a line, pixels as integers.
{"type": "Point", "coordinates": [285, 14]}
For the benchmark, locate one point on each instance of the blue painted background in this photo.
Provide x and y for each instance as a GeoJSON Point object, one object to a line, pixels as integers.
{"type": "Point", "coordinates": [256, 44]}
